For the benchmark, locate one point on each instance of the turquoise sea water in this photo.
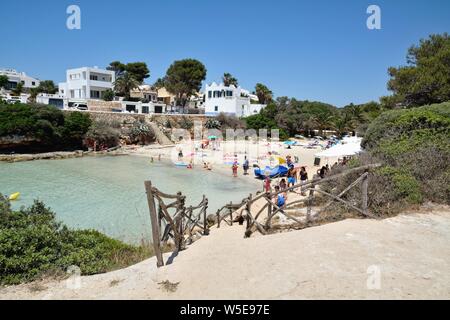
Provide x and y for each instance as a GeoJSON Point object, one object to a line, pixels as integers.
{"type": "Point", "coordinates": [107, 193]}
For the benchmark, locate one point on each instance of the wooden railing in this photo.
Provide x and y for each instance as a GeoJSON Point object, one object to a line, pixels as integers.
{"type": "Point", "coordinates": [174, 220]}
{"type": "Point", "coordinates": [253, 224]}
{"type": "Point", "coordinates": [181, 223]}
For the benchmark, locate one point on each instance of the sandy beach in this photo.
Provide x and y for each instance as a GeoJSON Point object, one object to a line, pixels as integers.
{"type": "Point", "coordinates": [257, 153]}
{"type": "Point", "coordinates": [405, 257]}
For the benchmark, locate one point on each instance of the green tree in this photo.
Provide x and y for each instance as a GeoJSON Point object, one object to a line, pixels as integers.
{"type": "Point", "coordinates": [108, 95]}
{"type": "Point", "coordinates": [184, 78]}
{"type": "Point", "coordinates": [17, 91]}
{"type": "Point", "coordinates": [264, 94]}
{"type": "Point", "coordinates": [76, 125]}
{"type": "Point", "coordinates": [323, 121]}
{"type": "Point", "coordinates": [138, 70]}
{"type": "Point", "coordinates": [3, 81]}
{"type": "Point", "coordinates": [160, 83]}
{"type": "Point", "coordinates": [118, 68]}
{"type": "Point", "coordinates": [124, 84]}
{"type": "Point", "coordinates": [426, 77]}
{"type": "Point", "coordinates": [229, 80]}
{"type": "Point", "coordinates": [47, 86]}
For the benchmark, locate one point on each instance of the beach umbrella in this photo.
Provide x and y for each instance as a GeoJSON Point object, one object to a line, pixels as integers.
{"type": "Point", "coordinates": [212, 137]}
{"type": "Point", "coordinates": [290, 143]}
{"type": "Point", "coordinates": [281, 160]}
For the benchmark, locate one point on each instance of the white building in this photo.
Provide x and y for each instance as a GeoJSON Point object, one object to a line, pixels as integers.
{"type": "Point", "coordinates": [15, 78]}
{"type": "Point", "coordinates": [230, 100]}
{"type": "Point", "coordinates": [87, 83]}
{"type": "Point", "coordinates": [143, 108]}
{"type": "Point", "coordinates": [145, 92]}
{"type": "Point", "coordinates": [57, 100]}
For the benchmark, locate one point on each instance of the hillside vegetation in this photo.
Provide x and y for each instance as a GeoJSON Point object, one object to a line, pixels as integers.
{"type": "Point", "coordinates": [34, 244]}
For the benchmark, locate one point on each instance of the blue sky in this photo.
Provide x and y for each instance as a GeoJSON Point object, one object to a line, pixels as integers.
{"type": "Point", "coordinates": [315, 50]}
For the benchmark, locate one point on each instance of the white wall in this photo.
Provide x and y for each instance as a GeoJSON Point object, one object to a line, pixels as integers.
{"type": "Point", "coordinates": [20, 77]}
{"type": "Point", "coordinates": [234, 105]}
{"type": "Point", "coordinates": [78, 84]}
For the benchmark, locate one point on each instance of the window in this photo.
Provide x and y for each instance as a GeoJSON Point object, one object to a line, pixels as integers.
{"type": "Point", "coordinates": [131, 108]}
{"type": "Point", "coordinates": [72, 93]}
{"type": "Point", "coordinates": [95, 94]}
{"type": "Point", "coordinates": [33, 83]}
{"type": "Point", "coordinates": [209, 94]}
{"type": "Point", "coordinates": [22, 82]}
{"type": "Point", "coordinates": [229, 93]}
{"type": "Point", "coordinates": [93, 77]}
{"type": "Point", "coordinates": [216, 108]}
{"type": "Point", "coordinates": [145, 109]}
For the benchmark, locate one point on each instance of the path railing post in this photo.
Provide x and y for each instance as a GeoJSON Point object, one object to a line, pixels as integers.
{"type": "Point", "coordinates": [310, 201]}
{"type": "Point", "coordinates": [364, 190]}
{"type": "Point", "coordinates": [205, 222]}
{"type": "Point", "coordinates": [269, 214]}
{"type": "Point", "coordinates": [155, 224]}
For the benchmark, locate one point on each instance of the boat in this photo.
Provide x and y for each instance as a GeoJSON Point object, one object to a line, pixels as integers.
{"type": "Point", "coordinates": [14, 196]}
{"type": "Point", "coordinates": [279, 171]}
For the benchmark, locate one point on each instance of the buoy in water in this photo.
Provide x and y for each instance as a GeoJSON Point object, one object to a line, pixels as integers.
{"type": "Point", "coordinates": [14, 196]}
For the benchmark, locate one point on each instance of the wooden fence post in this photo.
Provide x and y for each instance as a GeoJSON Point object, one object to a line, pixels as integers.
{"type": "Point", "coordinates": [205, 222]}
{"type": "Point", "coordinates": [231, 212]}
{"type": "Point", "coordinates": [269, 216]}
{"type": "Point", "coordinates": [218, 219]}
{"type": "Point", "coordinates": [364, 189]}
{"type": "Point", "coordinates": [310, 200]}
{"type": "Point", "coordinates": [155, 224]}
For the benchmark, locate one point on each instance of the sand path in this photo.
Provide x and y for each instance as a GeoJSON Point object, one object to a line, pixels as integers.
{"type": "Point", "coordinates": [411, 252]}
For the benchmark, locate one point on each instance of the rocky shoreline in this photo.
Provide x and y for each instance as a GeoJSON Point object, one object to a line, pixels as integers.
{"type": "Point", "coordinates": [56, 155]}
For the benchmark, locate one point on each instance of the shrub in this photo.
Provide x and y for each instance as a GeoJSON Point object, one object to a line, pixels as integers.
{"type": "Point", "coordinates": [141, 133]}
{"type": "Point", "coordinates": [186, 123]}
{"type": "Point", "coordinates": [33, 243]}
{"type": "Point", "coordinates": [102, 134]}
{"type": "Point", "coordinates": [230, 122]}
{"type": "Point", "coordinates": [46, 127]}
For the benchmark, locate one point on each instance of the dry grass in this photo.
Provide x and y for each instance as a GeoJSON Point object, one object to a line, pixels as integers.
{"type": "Point", "coordinates": [169, 286]}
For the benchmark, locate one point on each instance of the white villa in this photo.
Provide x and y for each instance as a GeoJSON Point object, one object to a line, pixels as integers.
{"type": "Point", "coordinates": [230, 100]}
{"type": "Point", "coordinates": [86, 83]}
{"type": "Point", "coordinates": [15, 78]}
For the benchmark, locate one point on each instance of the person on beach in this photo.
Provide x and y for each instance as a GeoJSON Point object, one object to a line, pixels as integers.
{"type": "Point", "coordinates": [291, 177]}
{"type": "Point", "coordinates": [180, 155]}
{"type": "Point", "coordinates": [280, 198]}
{"type": "Point", "coordinates": [321, 172]}
{"type": "Point", "coordinates": [235, 169]}
{"type": "Point", "coordinates": [267, 184]}
{"type": "Point", "coordinates": [289, 162]}
{"type": "Point", "coordinates": [246, 166]}
{"type": "Point", "coordinates": [303, 180]}
{"type": "Point", "coordinates": [283, 184]}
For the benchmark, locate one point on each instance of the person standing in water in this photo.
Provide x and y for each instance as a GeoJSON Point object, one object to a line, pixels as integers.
{"type": "Point", "coordinates": [235, 169]}
{"type": "Point", "coordinates": [246, 166]}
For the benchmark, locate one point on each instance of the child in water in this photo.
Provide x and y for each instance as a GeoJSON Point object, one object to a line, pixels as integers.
{"type": "Point", "coordinates": [235, 169]}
